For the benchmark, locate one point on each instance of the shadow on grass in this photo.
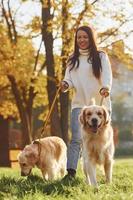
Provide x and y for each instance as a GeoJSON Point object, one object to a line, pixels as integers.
{"type": "Point", "coordinates": [33, 184]}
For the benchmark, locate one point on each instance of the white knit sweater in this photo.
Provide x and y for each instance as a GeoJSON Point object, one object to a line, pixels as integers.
{"type": "Point", "coordinates": [85, 85]}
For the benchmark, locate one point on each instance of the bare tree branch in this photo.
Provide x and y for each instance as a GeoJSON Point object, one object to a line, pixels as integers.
{"type": "Point", "coordinates": [37, 56]}
{"type": "Point", "coordinates": [113, 32]}
{"type": "Point", "coordinates": [12, 23]}
{"type": "Point", "coordinates": [42, 67]}
{"type": "Point", "coordinates": [126, 35]}
{"type": "Point", "coordinates": [94, 2]}
{"type": "Point", "coordinates": [5, 14]}
{"type": "Point", "coordinates": [81, 15]}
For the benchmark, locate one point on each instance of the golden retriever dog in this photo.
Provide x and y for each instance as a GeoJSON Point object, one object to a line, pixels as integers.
{"type": "Point", "coordinates": [48, 154]}
{"type": "Point", "coordinates": [97, 141]}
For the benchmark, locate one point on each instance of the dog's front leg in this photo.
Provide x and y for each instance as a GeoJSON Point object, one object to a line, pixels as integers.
{"type": "Point", "coordinates": [52, 172]}
{"type": "Point", "coordinates": [91, 170]}
{"type": "Point", "coordinates": [108, 165]}
{"type": "Point", "coordinates": [86, 172]}
{"type": "Point", "coordinates": [45, 175]}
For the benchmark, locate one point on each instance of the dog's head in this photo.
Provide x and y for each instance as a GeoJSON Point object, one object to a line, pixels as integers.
{"type": "Point", "coordinates": [27, 159]}
{"type": "Point", "coordinates": [93, 118]}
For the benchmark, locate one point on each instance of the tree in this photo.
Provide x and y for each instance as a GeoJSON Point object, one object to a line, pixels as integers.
{"type": "Point", "coordinates": [19, 67]}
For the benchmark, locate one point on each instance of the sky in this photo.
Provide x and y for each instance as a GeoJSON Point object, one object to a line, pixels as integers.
{"type": "Point", "coordinates": [110, 8]}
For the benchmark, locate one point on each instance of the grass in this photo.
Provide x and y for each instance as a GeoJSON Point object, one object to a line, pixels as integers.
{"type": "Point", "coordinates": [15, 187]}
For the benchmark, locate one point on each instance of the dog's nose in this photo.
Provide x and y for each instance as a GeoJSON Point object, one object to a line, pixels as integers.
{"type": "Point", "coordinates": [94, 121]}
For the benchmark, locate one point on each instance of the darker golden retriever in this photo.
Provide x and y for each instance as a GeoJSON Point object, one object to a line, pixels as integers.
{"type": "Point", "coordinates": [48, 154]}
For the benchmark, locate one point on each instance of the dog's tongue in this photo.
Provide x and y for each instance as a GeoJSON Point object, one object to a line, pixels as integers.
{"type": "Point", "coordinates": [94, 129]}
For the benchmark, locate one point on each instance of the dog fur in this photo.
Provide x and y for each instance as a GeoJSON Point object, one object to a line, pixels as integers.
{"type": "Point", "coordinates": [97, 141]}
{"type": "Point", "coordinates": [48, 154]}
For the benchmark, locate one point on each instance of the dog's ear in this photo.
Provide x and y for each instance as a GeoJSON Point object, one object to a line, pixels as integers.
{"type": "Point", "coordinates": [106, 115]}
{"type": "Point", "coordinates": [18, 156]}
{"type": "Point", "coordinates": [82, 116]}
{"type": "Point", "coordinates": [30, 152]}
{"type": "Point", "coordinates": [31, 156]}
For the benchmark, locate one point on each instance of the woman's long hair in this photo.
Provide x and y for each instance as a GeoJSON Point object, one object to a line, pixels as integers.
{"type": "Point", "coordinates": [93, 53]}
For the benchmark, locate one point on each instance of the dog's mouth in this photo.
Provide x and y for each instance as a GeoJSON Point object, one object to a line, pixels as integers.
{"type": "Point", "coordinates": [94, 127]}
{"type": "Point", "coordinates": [25, 174]}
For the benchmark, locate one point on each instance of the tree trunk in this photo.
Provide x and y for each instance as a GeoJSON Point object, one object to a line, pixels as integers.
{"type": "Point", "coordinates": [4, 143]}
{"type": "Point", "coordinates": [64, 115]}
{"type": "Point", "coordinates": [64, 97]}
{"type": "Point", "coordinates": [26, 129]}
{"type": "Point", "coordinates": [51, 85]}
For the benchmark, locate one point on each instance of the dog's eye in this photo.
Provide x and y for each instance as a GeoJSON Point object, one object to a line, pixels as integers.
{"type": "Point", "coordinates": [99, 114]}
{"type": "Point", "coordinates": [23, 164]}
{"type": "Point", "coordinates": [89, 114]}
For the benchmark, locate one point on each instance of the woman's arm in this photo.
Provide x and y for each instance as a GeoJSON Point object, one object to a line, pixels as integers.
{"type": "Point", "coordinates": [67, 81]}
{"type": "Point", "coordinates": [106, 74]}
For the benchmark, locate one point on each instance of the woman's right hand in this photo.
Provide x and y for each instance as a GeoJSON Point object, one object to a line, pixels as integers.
{"type": "Point", "coordinates": [64, 86]}
{"type": "Point", "coordinates": [104, 92]}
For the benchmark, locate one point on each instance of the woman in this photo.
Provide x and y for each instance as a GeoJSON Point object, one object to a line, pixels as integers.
{"type": "Point", "coordinates": [89, 73]}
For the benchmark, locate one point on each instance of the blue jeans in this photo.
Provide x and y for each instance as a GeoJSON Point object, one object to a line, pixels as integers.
{"type": "Point", "coordinates": [75, 144]}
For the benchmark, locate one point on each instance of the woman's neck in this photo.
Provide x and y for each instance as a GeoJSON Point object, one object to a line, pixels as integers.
{"type": "Point", "coordinates": [84, 52]}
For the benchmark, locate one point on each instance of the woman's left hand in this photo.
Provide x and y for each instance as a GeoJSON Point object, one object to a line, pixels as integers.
{"type": "Point", "coordinates": [104, 92]}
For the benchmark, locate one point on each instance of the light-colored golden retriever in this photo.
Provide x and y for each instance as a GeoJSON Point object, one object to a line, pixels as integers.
{"type": "Point", "coordinates": [97, 141]}
{"type": "Point", "coordinates": [48, 154]}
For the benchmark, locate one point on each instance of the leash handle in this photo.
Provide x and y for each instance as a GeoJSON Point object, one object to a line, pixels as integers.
{"type": "Point", "coordinates": [101, 101]}
{"type": "Point", "coordinates": [104, 92]}
{"type": "Point", "coordinates": [50, 111]}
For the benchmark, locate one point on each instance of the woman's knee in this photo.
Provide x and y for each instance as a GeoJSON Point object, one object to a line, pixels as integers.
{"type": "Point", "coordinates": [76, 141]}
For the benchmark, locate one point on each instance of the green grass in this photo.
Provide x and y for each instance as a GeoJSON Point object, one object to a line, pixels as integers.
{"type": "Point", "coordinates": [15, 187]}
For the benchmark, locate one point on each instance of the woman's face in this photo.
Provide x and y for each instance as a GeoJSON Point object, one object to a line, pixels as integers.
{"type": "Point", "coordinates": [82, 39]}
